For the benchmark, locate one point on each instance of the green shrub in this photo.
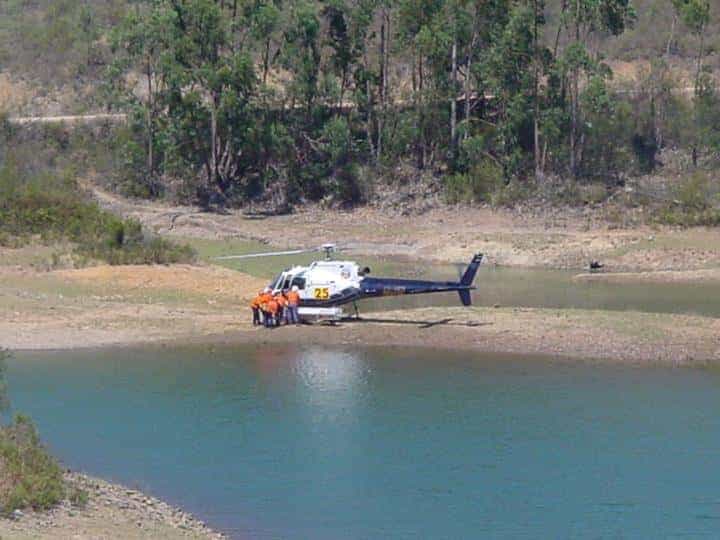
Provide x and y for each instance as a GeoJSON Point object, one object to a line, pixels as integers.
{"type": "Point", "coordinates": [694, 193]}
{"type": "Point", "coordinates": [513, 193]}
{"type": "Point", "coordinates": [33, 478]}
{"type": "Point", "coordinates": [53, 208]}
{"type": "Point", "coordinates": [477, 185]}
{"type": "Point", "coordinates": [78, 497]}
{"type": "Point", "coordinates": [694, 204]}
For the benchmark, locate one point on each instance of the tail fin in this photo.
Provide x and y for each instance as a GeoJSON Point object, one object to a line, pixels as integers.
{"type": "Point", "coordinates": [467, 280]}
{"type": "Point", "coordinates": [469, 276]}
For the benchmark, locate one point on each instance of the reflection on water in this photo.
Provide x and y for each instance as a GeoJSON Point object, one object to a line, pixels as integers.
{"type": "Point", "coordinates": [278, 442]}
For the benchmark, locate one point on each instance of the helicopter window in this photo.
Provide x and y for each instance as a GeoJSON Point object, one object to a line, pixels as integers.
{"type": "Point", "coordinates": [275, 282]}
{"type": "Point", "coordinates": [286, 283]}
{"type": "Point", "coordinates": [299, 281]}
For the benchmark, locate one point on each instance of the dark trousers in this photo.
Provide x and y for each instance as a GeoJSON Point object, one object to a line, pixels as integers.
{"type": "Point", "coordinates": [269, 319]}
{"type": "Point", "coordinates": [256, 316]}
{"type": "Point", "coordinates": [291, 314]}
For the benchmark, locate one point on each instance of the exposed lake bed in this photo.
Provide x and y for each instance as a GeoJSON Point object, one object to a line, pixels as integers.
{"type": "Point", "coordinates": [522, 311]}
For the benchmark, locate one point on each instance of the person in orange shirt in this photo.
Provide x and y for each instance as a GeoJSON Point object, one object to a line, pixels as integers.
{"type": "Point", "coordinates": [293, 303]}
{"type": "Point", "coordinates": [255, 306]}
{"type": "Point", "coordinates": [282, 303]}
{"type": "Point", "coordinates": [263, 300]}
{"type": "Point", "coordinates": [271, 311]}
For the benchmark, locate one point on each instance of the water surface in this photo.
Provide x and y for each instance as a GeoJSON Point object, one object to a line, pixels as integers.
{"type": "Point", "coordinates": [278, 442]}
{"type": "Point", "coordinates": [539, 288]}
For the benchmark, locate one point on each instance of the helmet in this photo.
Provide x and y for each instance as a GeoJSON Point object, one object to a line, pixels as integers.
{"type": "Point", "coordinates": [266, 289]}
{"type": "Point", "coordinates": [295, 288]}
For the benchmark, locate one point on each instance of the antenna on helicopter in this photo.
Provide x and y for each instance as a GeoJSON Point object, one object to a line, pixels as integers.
{"type": "Point", "coordinates": [329, 249]}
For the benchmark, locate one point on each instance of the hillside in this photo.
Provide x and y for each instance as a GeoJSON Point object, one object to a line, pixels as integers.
{"type": "Point", "coordinates": [53, 52]}
{"type": "Point", "coordinates": [279, 104]}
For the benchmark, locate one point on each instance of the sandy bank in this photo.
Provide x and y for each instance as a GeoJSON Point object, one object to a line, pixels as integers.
{"type": "Point", "coordinates": [112, 511]}
{"type": "Point", "coordinates": [577, 334]}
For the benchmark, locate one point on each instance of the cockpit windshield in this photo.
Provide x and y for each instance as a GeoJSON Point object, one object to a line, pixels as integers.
{"type": "Point", "coordinates": [275, 283]}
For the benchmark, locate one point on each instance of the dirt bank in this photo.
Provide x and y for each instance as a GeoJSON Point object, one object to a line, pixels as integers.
{"type": "Point", "coordinates": [627, 337]}
{"type": "Point", "coordinates": [559, 238]}
{"type": "Point", "coordinates": [112, 511]}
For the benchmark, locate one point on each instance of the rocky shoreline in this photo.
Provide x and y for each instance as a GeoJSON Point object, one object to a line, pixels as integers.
{"type": "Point", "coordinates": [111, 511]}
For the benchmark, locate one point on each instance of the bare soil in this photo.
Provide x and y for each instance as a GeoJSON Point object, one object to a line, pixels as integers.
{"type": "Point", "coordinates": [557, 238]}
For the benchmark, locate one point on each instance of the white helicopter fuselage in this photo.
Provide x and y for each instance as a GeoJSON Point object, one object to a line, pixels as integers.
{"type": "Point", "coordinates": [319, 281]}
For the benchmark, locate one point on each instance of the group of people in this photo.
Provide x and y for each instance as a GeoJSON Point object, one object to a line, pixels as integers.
{"type": "Point", "coordinates": [272, 309]}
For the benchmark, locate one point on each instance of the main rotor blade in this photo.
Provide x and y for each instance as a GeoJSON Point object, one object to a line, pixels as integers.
{"type": "Point", "coordinates": [266, 254]}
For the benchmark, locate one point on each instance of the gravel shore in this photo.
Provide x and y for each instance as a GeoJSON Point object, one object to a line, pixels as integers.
{"type": "Point", "coordinates": [111, 511]}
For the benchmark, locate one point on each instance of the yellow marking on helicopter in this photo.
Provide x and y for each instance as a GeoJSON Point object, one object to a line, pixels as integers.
{"type": "Point", "coordinates": [322, 293]}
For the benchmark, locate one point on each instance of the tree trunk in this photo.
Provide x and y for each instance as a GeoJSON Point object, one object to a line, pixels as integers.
{"type": "Point", "coordinates": [150, 129]}
{"type": "Point", "coordinates": [213, 145]}
{"type": "Point", "coordinates": [468, 77]}
{"type": "Point", "coordinates": [453, 98]}
{"type": "Point", "coordinates": [574, 103]}
{"type": "Point", "coordinates": [573, 123]}
{"type": "Point", "coordinates": [384, 29]}
{"type": "Point", "coordinates": [368, 124]}
{"type": "Point", "coordinates": [699, 59]}
{"type": "Point", "coordinates": [423, 145]}
{"type": "Point", "coordinates": [266, 61]}
{"type": "Point", "coordinates": [536, 96]}
{"type": "Point", "coordinates": [672, 35]}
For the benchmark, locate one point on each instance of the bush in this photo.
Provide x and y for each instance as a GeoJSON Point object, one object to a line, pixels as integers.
{"type": "Point", "coordinates": [694, 204]}
{"type": "Point", "coordinates": [695, 193]}
{"type": "Point", "coordinates": [513, 193]}
{"type": "Point", "coordinates": [33, 478]}
{"type": "Point", "coordinates": [78, 497]}
{"type": "Point", "coordinates": [53, 208]}
{"type": "Point", "coordinates": [477, 185]}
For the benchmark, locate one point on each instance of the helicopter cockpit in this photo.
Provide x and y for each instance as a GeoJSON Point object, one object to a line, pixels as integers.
{"type": "Point", "coordinates": [289, 278]}
{"type": "Point", "coordinates": [320, 280]}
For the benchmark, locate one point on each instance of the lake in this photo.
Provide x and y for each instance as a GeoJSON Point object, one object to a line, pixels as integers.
{"type": "Point", "coordinates": [284, 442]}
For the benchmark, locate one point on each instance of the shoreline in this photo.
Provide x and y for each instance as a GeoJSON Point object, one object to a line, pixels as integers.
{"type": "Point", "coordinates": [112, 511]}
{"type": "Point", "coordinates": [628, 337]}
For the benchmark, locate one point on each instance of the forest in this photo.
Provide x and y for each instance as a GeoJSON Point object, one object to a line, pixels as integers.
{"type": "Point", "coordinates": [233, 101]}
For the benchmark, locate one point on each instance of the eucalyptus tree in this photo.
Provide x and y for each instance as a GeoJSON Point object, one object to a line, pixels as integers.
{"type": "Point", "coordinates": [198, 87]}
{"type": "Point", "coordinates": [582, 21]}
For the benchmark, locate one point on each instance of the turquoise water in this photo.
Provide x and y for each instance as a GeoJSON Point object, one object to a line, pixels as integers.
{"type": "Point", "coordinates": [388, 443]}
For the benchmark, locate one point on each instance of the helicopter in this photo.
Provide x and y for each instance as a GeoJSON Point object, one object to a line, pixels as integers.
{"type": "Point", "coordinates": [327, 285]}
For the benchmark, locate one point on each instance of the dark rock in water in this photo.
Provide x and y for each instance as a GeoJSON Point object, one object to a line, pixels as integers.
{"type": "Point", "coordinates": [595, 265]}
